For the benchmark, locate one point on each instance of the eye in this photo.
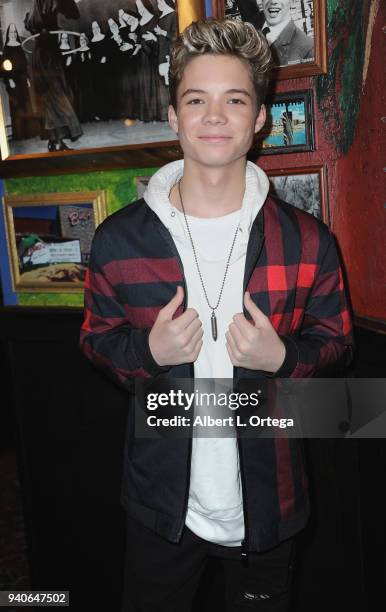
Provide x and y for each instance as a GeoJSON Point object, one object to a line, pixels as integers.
{"type": "Point", "coordinates": [236, 101]}
{"type": "Point", "coordinates": [195, 101]}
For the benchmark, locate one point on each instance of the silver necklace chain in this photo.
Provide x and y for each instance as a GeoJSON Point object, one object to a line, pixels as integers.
{"type": "Point", "coordinates": [213, 317]}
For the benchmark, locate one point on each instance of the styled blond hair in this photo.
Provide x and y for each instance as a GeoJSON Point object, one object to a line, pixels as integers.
{"type": "Point", "coordinates": [222, 37]}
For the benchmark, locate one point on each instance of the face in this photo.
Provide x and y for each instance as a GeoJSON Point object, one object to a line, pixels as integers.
{"type": "Point", "coordinates": [276, 11]}
{"type": "Point", "coordinates": [216, 114]}
{"type": "Point", "coordinates": [64, 38]}
{"type": "Point", "coordinates": [83, 40]}
{"type": "Point", "coordinates": [95, 28]}
{"type": "Point", "coordinates": [12, 32]}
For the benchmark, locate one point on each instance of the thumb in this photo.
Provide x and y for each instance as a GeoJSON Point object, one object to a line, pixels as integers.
{"type": "Point", "coordinates": [168, 311]}
{"type": "Point", "coordinates": [257, 315]}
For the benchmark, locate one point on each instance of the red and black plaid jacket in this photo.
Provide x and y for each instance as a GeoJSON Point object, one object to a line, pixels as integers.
{"type": "Point", "coordinates": [293, 274]}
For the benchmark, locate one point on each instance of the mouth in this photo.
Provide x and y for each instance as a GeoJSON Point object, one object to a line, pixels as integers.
{"type": "Point", "coordinates": [209, 138]}
{"type": "Point", "coordinates": [274, 12]}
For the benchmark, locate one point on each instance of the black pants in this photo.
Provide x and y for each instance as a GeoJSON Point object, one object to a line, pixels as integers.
{"type": "Point", "coordinates": [163, 577]}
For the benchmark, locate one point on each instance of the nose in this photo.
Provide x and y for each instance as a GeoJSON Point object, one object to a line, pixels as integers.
{"type": "Point", "coordinates": [214, 113]}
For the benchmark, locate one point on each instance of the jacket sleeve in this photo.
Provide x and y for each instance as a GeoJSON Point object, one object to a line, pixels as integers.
{"type": "Point", "coordinates": [324, 343]}
{"type": "Point", "coordinates": [106, 336]}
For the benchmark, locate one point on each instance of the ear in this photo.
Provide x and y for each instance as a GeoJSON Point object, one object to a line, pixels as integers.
{"type": "Point", "coordinates": [260, 119]}
{"type": "Point", "coordinates": [172, 117]}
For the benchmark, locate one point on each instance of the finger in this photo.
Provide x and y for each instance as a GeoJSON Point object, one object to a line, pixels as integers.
{"type": "Point", "coordinates": [257, 315]}
{"type": "Point", "coordinates": [246, 327]}
{"type": "Point", "coordinates": [167, 312]}
{"type": "Point", "coordinates": [193, 327]}
{"type": "Point", "coordinates": [236, 336]}
{"type": "Point", "coordinates": [197, 348]}
{"type": "Point", "coordinates": [231, 354]}
{"type": "Point", "coordinates": [197, 337]}
{"type": "Point", "coordinates": [232, 345]}
{"type": "Point", "coordinates": [185, 319]}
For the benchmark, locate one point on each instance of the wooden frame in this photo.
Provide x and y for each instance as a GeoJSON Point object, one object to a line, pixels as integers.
{"type": "Point", "coordinates": [306, 196]}
{"type": "Point", "coordinates": [296, 135]}
{"type": "Point", "coordinates": [318, 65]}
{"type": "Point", "coordinates": [49, 238]}
{"type": "Point", "coordinates": [141, 153]}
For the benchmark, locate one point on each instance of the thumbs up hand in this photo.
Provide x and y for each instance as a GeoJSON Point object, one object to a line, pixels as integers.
{"type": "Point", "coordinates": [179, 340]}
{"type": "Point", "coordinates": [254, 345]}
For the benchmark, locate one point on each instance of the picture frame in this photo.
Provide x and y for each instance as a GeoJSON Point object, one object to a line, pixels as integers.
{"type": "Point", "coordinates": [72, 116]}
{"type": "Point", "coordinates": [294, 56]}
{"type": "Point", "coordinates": [290, 124]}
{"type": "Point", "coordinates": [304, 187]}
{"type": "Point", "coordinates": [49, 239]}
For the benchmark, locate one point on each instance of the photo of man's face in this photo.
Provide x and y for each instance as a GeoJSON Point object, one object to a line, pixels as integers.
{"type": "Point", "coordinates": [276, 11]}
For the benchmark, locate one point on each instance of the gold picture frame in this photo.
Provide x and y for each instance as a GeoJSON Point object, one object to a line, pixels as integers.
{"type": "Point", "coordinates": [49, 239]}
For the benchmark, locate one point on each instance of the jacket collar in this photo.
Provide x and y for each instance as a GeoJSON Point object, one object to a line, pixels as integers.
{"type": "Point", "coordinates": [285, 37]}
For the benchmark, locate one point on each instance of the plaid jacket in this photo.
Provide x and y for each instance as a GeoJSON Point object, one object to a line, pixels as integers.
{"type": "Point", "coordinates": [293, 274]}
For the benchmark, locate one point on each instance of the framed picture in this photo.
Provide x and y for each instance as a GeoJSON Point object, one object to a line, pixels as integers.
{"type": "Point", "coordinates": [290, 124]}
{"type": "Point", "coordinates": [86, 78]}
{"type": "Point", "coordinates": [295, 30]}
{"type": "Point", "coordinates": [49, 239]}
{"type": "Point", "coordinates": [304, 187]}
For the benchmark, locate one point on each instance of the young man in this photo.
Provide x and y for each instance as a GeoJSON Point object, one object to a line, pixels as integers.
{"type": "Point", "coordinates": [208, 241]}
{"type": "Point", "coordinates": [289, 44]}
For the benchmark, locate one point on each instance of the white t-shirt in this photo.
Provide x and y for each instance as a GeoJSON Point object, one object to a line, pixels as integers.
{"type": "Point", "coordinates": [215, 506]}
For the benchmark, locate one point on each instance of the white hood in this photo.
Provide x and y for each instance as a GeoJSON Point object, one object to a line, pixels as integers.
{"type": "Point", "coordinates": [157, 197]}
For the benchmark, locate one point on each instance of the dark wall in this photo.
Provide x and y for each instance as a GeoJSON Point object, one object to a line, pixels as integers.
{"type": "Point", "coordinates": [70, 427]}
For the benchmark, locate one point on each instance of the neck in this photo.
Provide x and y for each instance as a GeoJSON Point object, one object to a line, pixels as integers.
{"type": "Point", "coordinates": [212, 192]}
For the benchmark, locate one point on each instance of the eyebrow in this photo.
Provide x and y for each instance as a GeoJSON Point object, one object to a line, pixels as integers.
{"type": "Point", "coordinates": [228, 91]}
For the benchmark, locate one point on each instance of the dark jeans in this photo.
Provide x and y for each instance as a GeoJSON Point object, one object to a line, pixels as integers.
{"type": "Point", "coordinates": [163, 577]}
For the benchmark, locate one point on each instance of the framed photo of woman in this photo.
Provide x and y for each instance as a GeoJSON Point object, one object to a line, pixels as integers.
{"type": "Point", "coordinates": [81, 80]}
{"type": "Point", "coordinates": [294, 29]}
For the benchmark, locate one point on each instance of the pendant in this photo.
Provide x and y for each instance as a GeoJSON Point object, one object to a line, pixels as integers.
{"type": "Point", "coordinates": [213, 322]}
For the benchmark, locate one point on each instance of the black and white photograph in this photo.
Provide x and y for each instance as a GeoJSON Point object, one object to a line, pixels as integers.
{"type": "Point", "coordinates": [78, 74]}
{"type": "Point", "coordinates": [289, 127]}
{"type": "Point", "coordinates": [294, 29]}
{"type": "Point", "coordinates": [303, 187]}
